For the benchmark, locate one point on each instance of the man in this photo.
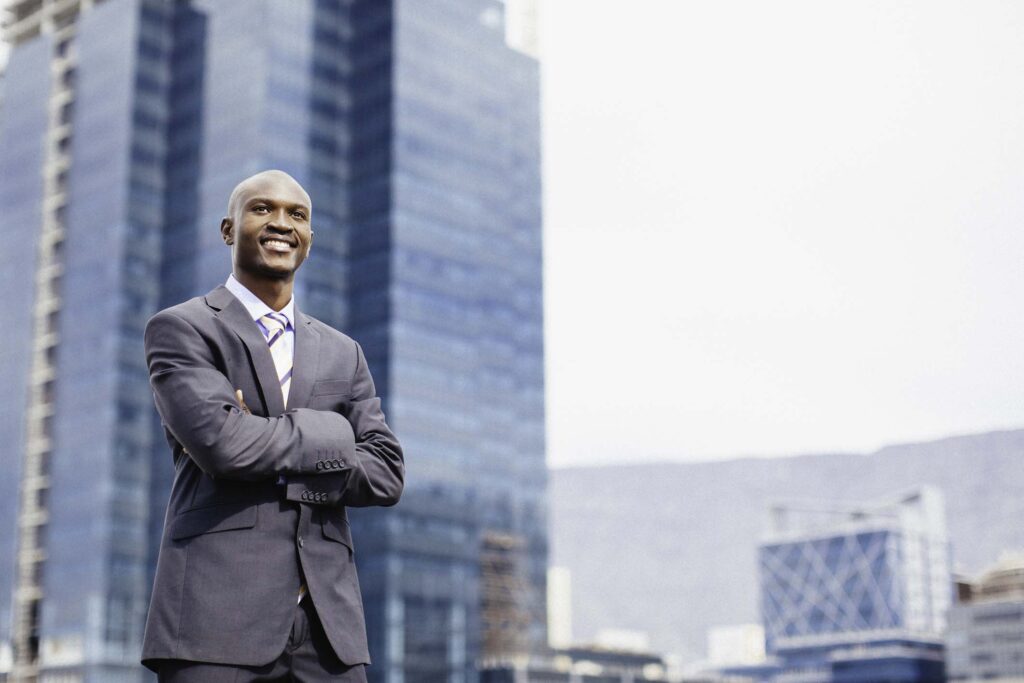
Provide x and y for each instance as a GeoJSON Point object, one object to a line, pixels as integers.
{"type": "Point", "coordinates": [275, 427]}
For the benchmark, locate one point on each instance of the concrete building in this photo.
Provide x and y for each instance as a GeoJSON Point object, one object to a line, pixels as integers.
{"type": "Point", "coordinates": [124, 124]}
{"type": "Point", "coordinates": [985, 641]}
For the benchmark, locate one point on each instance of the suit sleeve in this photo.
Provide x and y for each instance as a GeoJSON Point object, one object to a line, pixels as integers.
{"type": "Point", "coordinates": [197, 403]}
{"type": "Point", "coordinates": [373, 473]}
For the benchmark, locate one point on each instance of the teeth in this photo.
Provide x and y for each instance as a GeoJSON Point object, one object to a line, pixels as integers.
{"type": "Point", "coordinates": [277, 242]}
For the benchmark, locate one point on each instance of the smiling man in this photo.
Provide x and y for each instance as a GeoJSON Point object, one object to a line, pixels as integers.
{"type": "Point", "coordinates": [275, 428]}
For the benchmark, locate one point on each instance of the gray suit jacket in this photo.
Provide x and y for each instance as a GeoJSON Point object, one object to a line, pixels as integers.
{"type": "Point", "coordinates": [235, 541]}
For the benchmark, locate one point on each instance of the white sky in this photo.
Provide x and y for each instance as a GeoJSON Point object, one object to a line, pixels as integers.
{"type": "Point", "coordinates": [780, 227]}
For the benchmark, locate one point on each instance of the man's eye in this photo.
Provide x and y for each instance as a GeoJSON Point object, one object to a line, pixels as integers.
{"type": "Point", "coordinates": [259, 208]}
{"type": "Point", "coordinates": [299, 214]}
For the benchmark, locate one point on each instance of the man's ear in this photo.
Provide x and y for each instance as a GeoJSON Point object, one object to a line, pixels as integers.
{"type": "Point", "coordinates": [309, 245]}
{"type": "Point", "coordinates": [227, 231]}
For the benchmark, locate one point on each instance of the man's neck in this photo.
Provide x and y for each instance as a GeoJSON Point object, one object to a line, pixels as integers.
{"type": "Point", "coordinates": [273, 292]}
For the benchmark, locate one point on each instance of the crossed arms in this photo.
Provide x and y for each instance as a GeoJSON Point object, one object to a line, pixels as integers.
{"type": "Point", "coordinates": [199, 407]}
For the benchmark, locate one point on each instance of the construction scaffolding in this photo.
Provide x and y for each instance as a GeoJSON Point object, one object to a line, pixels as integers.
{"type": "Point", "coordinates": [505, 597]}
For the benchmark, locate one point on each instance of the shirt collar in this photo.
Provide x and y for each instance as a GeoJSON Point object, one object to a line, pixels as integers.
{"type": "Point", "coordinates": [257, 309]}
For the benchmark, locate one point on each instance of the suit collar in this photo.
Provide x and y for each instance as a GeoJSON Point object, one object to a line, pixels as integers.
{"type": "Point", "coordinates": [307, 352]}
{"type": "Point", "coordinates": [220, 298]}
{"type": "Point", "coordinates": [234, 314]}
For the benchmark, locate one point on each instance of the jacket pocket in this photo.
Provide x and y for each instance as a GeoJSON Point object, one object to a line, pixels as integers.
{"type": "Point", "coordinates": [336, 528]}
{"type": "Point", "coordinates": [332, 387]}
{"type": "Point", "coordinates": [208, 520]}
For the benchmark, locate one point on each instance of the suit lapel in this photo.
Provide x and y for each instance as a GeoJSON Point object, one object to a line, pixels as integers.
{"type": "Point", "coordinates": [307, 350]}
{"type": "Point", "coordinates": [234, 314]}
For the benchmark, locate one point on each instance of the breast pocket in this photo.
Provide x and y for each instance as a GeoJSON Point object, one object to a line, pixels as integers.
{"type": "Point", "coordinates": [329, 394]}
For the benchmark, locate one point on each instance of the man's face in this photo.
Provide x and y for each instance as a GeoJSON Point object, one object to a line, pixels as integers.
{"type": "Point", "coordinates": [269, 227]}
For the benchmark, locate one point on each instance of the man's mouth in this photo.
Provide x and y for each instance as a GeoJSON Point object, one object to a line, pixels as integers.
{"type": "Point", "coordinates": [277, 244]}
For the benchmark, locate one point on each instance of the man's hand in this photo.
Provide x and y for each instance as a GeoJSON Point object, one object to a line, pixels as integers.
{"type": "Point", "coordinates": [241, 401]}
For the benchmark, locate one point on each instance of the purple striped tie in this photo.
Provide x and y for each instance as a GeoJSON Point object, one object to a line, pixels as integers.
{"type": "Point", "coordinates": [274, 327]}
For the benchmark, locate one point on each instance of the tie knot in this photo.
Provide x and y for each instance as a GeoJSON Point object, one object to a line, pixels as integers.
{"type": "Point", "coordinates": [275, 322]}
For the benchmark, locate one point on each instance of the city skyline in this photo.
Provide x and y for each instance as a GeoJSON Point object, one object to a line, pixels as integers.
{"type": "Point", "coordinates": [685, 560]}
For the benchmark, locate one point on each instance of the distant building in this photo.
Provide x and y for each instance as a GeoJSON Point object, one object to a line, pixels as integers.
{"type": "Point", "coordinates": [985, 640]}
{"type": "Point", "coordinates": [582, 664]}
{"type": "Point", "coordinates": [856, 594]}
{"type": "Point", "coordinates": [736, 644]}
{"type": "Point", "coordinates": [559, 607]}
{"type": "Point", "coordinates": [621, 639]}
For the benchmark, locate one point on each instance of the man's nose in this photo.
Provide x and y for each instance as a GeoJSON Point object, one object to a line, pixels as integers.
{"type": "Point", "coordinates": [280, 220]}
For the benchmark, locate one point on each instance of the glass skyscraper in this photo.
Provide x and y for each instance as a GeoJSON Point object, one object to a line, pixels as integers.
{"type": "Point", "coordinates": [414, 125]}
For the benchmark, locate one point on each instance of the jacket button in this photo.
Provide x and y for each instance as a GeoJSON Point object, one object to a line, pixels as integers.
{"type": "Point", "coordinates": [319, 464]}
{"type": "Point", "coordinates": [300, 541]}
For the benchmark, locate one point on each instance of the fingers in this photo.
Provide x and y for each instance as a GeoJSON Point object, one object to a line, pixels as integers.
{"type": "Point", "coordinates": [241, 401]}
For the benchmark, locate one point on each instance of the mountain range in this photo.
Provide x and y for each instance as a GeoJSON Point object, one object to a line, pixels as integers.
{"type": "Point", "coordinates": [670, 549]}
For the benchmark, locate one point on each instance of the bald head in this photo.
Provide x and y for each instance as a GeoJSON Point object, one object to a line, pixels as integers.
{"type": "Point", "coordinates": [269, 230]}
{"type": "Point", "coordinates": [254, 184]}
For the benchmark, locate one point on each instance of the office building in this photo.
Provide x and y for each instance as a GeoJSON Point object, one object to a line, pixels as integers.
{"type": "Point", "coordinates": [856, 593]}
{"type": "Point", "coordinates": [124, 125]}
{"type": "Point", "coordinates": [985, 640]}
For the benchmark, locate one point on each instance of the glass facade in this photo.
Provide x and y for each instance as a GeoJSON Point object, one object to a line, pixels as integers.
{"type": "Point", "coordinates": [857, 593]}
{"type": "Point", "coordinates": [415, 129]}
{"type": "Point", "coordinates": [831, 585]}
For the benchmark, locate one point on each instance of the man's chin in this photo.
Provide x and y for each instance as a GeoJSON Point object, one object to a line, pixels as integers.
{"type": "Point", "coordinates": [276, 272]}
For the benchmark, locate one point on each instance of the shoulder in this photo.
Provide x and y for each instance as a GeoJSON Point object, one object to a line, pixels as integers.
{"type": "Point", "coordinates": [330, 334]}
{"type": "Point", "coordinates": [341, 357]}
{"type": "Point", "coordinates": [193, 310]}
{"type": "Point", "coordinates": [193, 319]}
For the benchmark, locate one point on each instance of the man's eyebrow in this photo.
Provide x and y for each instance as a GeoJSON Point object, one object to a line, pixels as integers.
{"type": "Point", "coordinates": [265, 200]}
